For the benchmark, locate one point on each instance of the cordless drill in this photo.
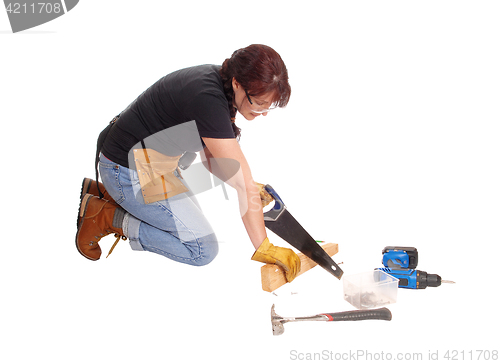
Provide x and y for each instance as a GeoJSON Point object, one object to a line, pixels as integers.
{"type": "Point", "coordinates": [400, 262]}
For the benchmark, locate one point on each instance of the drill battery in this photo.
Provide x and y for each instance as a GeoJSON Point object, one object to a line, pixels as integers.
{"type": "Point", "coordinates": [400, 257]}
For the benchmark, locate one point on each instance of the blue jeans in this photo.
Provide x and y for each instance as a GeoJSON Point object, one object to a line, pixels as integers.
{"type": "Point", "coordinates": [175, 228]}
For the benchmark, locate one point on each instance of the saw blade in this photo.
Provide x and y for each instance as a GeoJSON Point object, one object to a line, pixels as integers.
{"type": "Point", "coordinates": [288, 228]}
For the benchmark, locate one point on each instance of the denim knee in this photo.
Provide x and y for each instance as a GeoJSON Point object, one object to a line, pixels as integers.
{"type": "Point", "coordinates": [209, 248]}
{"type": "Point", "coordinates": [198, 252]}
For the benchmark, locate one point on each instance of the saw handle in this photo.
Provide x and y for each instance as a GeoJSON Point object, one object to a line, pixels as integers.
{"type": "Point", "coordinates": [359, 315]}
{"type": "Point", "coordinates": [278, 208]}
{"type": "Point", "coordinates": [274, 194]}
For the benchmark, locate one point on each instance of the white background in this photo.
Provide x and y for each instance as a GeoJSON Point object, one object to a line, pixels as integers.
{"type": "Point", "coordinates": [391, 137]}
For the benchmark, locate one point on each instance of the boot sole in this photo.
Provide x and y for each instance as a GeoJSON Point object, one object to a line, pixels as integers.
{"type": "Point", "coordinates": [81, 213]}
{"type": "Point", "coordinates": [85, 187]}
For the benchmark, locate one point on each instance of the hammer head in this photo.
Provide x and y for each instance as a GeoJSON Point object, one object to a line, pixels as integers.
{"type": "Point", "coordinates": [278, 327]}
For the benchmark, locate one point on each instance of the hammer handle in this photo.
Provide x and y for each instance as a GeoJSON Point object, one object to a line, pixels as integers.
{"type": "Point", "coordinates": [358, 315]}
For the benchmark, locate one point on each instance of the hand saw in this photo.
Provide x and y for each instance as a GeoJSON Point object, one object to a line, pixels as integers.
{"type": "Point", "coordinates": [282, 223]}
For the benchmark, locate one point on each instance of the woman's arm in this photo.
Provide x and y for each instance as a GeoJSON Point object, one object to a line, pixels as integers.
{"type": "Point", "coordinates": [225, 159]}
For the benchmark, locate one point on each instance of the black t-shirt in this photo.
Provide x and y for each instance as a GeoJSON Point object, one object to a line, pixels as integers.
{"type": "Point", "coordinates": [172, 115]}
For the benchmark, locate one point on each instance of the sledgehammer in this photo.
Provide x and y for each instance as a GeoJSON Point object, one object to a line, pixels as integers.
{"type": "Point", "coordinates": [358, 315]}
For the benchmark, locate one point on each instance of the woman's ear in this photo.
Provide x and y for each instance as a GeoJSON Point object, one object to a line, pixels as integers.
{"type": "Point", "coordinates": [236, 84]}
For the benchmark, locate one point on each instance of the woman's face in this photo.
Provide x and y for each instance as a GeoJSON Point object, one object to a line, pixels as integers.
{"type": "Point", "coordinates": [249, 106]}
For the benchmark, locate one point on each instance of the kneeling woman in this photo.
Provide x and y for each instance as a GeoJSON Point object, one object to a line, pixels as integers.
{"type": "Point", "coordinates": [142, 196]}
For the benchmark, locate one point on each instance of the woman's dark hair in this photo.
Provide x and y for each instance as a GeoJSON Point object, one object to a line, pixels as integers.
{"type": "Point", "coordinates": [259, 69]}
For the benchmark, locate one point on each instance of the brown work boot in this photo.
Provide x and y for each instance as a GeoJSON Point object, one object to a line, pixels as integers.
{"type": "Point", "coordinates": [97, 218]}
{"type": "Point", "coordinates": [90, 186]}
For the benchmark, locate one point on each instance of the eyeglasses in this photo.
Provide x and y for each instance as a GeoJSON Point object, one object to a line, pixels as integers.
{"type": "Point", "coordinates": [258, 111]}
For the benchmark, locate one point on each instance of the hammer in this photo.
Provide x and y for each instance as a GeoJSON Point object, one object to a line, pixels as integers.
{"type": "Point", "coordinates": [358, 315]}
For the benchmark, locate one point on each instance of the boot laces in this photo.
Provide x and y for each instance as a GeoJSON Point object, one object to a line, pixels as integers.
{"type": "Point", "coordinates": [117, 236]}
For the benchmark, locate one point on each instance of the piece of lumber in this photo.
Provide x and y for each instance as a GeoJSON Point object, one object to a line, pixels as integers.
{"type": "Point", "coordinates": [273, 276]}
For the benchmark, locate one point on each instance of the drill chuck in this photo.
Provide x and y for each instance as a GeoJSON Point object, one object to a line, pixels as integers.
{"type": "Point", "coordinates": [425, 280]}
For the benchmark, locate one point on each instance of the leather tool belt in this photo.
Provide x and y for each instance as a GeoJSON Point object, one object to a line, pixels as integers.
{"type": "Point", "coordinates": [156, 175]}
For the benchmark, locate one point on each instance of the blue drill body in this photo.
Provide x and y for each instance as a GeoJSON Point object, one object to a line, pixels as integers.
{"type": "Point", "coordinates": [413, 279]}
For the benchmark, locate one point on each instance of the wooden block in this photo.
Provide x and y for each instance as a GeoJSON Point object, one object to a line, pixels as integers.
{"type": "Point", "coordinates": [273, 276]}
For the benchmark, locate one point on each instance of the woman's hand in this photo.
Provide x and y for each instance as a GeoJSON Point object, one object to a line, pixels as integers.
{"type": "Point", "coordinates": [265, 197]}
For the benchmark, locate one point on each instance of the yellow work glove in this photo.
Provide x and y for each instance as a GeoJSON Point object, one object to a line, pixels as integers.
{"type": "Point", "coordinates": [265, 197]}
{"type": "Point", "coordinates": [285, 258]}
